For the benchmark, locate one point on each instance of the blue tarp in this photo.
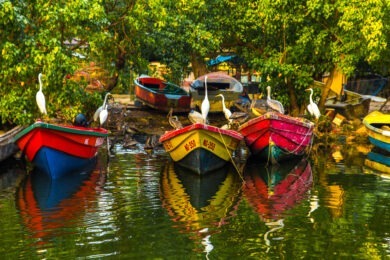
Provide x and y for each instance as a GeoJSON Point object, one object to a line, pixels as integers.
{"type": "Point", "coordinates": [219, 59]}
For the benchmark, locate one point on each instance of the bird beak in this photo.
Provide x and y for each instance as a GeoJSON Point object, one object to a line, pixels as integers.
{"type": "Point", "coordinates": [307, 89]}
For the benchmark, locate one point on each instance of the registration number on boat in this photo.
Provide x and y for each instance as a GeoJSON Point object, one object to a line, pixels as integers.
{"type": "Point", "coordinates": [190, 145]}
{"type": "Point", "coordinates": [209, 144]}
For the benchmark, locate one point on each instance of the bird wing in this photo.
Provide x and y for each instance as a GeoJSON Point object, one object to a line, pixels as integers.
{"type": "Point", "coordinates": [40, 98]}
{"type": "Point", "coordinates": [276, 105]}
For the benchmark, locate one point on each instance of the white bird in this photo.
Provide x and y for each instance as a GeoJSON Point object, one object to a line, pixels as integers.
{"type": "Point", "coordinates": [195, 117]}
{"type": "Point", "coordinates": [272, 103]}
{"type": "Point", "coordinates": [312, 107]}
{"type": "Point", "coordinates": [225, 110]}
{"type": "Point", "coordinates": [205, 108]}
{"type": "Point", "coordinates": [40, 98]}
{"type": "Point", "coordinates": [101, 113]}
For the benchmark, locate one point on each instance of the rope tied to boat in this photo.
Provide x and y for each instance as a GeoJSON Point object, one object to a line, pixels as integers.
{"type": "Point", "coordinates": [230, 155]}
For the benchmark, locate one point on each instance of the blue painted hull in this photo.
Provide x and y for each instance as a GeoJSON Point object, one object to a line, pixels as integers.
{"type": "Point", "coordinates": [57, 164]}
{"type": "Point", "coordinates": [380, 144]}
{"type": "Point", "coordinates": [275, 154]}
{"type": "Point", "coordinates": [202, 161]}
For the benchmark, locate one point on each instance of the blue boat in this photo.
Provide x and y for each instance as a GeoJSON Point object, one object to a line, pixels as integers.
{"type": "Point", "coordinates": [378, 161]}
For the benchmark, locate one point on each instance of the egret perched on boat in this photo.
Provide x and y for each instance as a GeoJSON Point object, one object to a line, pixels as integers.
{"type": "Point", "coordinates": [174, 120]}
{"type": "Point", "coordinates": [40, 98]}
{"type": "Point", "coordinates": [205, 108]}
{"type": "Point", "coordinates": [195, 117]}
{"type": "Point", "coordinates": [272, 103]}
{"type": "Point", "coordinates": [312, 107]}
{"type": "Point", "coordinates": [225, 110]}
{"type": "Point", "coordinates": [235, 117]}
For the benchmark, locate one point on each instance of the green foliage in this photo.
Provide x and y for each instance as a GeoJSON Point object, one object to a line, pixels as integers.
{"type": "Point", "coordinates": [289, 42]}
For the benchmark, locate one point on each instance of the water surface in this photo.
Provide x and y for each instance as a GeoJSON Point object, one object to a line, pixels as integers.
{"type": "Point", "coordinates": [140, 205]}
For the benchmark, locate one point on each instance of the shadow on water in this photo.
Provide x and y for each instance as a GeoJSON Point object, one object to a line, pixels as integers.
{"type": "Point", "coordinates": [12, 173]}
{"type": "Point", "coordinates": [48, 205]}
{"type": "Point", "coordinates": [200, 205]}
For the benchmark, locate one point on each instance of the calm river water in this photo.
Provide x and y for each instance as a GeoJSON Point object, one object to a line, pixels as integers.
{"type": "Point", "coordinates": [139, 205]}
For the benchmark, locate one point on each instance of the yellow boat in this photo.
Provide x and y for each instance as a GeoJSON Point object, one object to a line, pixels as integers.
{"type": "Point", "coordinates": [199, 202]}
{"type": "Point", "coordinates": [201, 148]}
{"type": "Point", "coordinates": [378, 129]}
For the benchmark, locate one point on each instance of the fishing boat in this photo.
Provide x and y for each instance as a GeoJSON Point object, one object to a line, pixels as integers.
{"type": "Point", "coordinates": [198, 202]}
{"type": "Point", "coordinates": [217, 83]}
{"type": "Point", "coordinates": [378, 129]}
{"type": "Point", "coordinates": [201, 148]}
{"type": "Point", "coordinates": [378, 161]}
{"type": "Point", "coordinates": [161, 95]}
{"type": "Point", "coordinates": [7, 145]}
{"type": "Point", "coordinates": [273, 189]}
{"type": "Point", "coordinates": [60, 149]}
{"type": "Point", "coordinates": [47, 205]}
{"type": "Point", "coordinates": [351, 105]}
{"type": "Point", "coordinates": [275, 137]}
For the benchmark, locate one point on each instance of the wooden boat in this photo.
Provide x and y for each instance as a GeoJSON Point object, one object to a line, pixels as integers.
{"type": "Point", "coordinates": [7, 144]}
{"type": "Point", "coordinates": [275, 137]}
{"type": "Point", "coordinates": [378, 161]}
{"type": "Point", "coordinates": [59, 149]}
{"type": "Point", "coordinates": [378, 129]}
{"type": "Point", "coordinates": [371, 84]}
{"type": "Point", "coordinates": [217, 83]}
{"type": "Point", "coordinates": [353, 105]}
{"type": "Point", "coordinates": [273, 189]}
{"type": "Point", "coordinates": [201, 148]}
{"type": "Point", "coordinates": [47, 205]}
{"type": "Point", "coordinates": [198, 202]}
{"type": "Point", "coordinates": [161, 95]}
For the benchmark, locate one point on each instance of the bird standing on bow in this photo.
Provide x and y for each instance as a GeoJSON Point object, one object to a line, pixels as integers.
{"type": "Point", "coordinates": [312, 107]}
{"type": "Point", "coordinates": [225, 110]}
{"type": "Point", "coordinates": [195, 117]}
{"type": "Point", "coordinates": [40, 98]}
{"type": "Point", "coordinates": [205, 108]}
{"type": "Point", "coordinates": [174, 120]}
{"type": "Point", "coordinates": [274, 104]}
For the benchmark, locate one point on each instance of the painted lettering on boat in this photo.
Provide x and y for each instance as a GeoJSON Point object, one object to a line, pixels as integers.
{"type": "Point", "coordinates": [209, 144]}
{"type": "Point", "coordinates": [190, 145]}
{"type": "Point", "coordinates": [168, 145]}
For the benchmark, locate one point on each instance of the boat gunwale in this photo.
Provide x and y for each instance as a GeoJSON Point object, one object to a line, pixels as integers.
{"type": "Point", "coordinates": [199, 126]}
{"type": "Point", "coordinates": [97, 132]}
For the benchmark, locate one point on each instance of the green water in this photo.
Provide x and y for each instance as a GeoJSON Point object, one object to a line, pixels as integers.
{"type": "Point", "coordinates": [141, 206]}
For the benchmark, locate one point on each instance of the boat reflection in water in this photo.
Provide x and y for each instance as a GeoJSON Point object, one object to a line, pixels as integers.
{"type": "Point", "coordinates": [274, 189]}
{"type": "Point", "coordinates": [198, 204]}
{"type": "Point", "coordinates": [47, 206]}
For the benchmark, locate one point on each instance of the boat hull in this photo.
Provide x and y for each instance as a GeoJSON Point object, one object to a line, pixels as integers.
{"type": "Point", "coordinates": [58, 150]}
{"type": "Point", "coordinates": [355, 105]}
{"type": "Point", "coordinates": [275, 137]}
{"type": "Point", "coordinates": [162, 95]}
{"type": "Point", "coordinates": [201, 148]}
{"type": "Point", "coordinates": [7, 145]}
{"type": "Point", "coordinates": [378, 129]}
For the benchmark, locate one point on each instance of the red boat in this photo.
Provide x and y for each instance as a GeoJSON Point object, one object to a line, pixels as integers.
{"type": "Point", "coordinates": [58, 150]}
{"type": "Point", "coordinates": [275, 137]}
{"type": "Point", "coordinates": [162, 95]}
{"type": "Point", "coordinates": [274, 189]}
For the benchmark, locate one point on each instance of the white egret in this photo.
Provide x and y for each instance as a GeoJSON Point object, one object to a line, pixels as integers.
{"type": "Point", "coordinates": [196, 117]}
{"type": "Point", "coordinates": [225, 110]}
{"type": "Point", "coordinates": [272, 103]}
{"type": "Point", "coordinates": [99, 114]}
{"type": "Point", "coordinates": [205, 108]}
{"type": "Point", "coordinates": [312, 107]}
{"type": "Point", "coordinates": [174, 120]}
{"type": "Point", "coordinates": [40, 98]}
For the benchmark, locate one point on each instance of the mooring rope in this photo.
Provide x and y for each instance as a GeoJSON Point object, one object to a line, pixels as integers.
{"type": "Point", "coordinates": [230, 155]}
